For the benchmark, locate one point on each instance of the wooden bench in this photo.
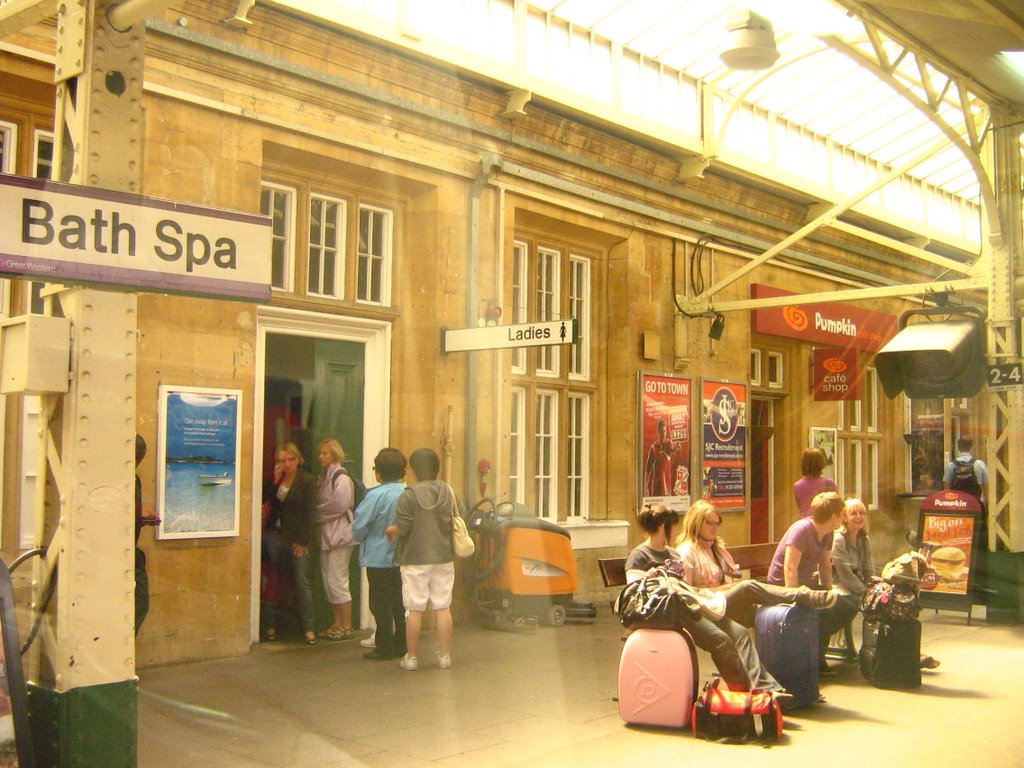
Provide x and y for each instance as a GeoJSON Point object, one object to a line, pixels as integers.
{"type": "Point", "coordinates": [755, 558]}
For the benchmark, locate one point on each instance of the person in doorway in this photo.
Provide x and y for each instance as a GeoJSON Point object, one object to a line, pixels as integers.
{"type": "Point", "coordinates": [141, 519]}
{"type": "Point", "coordinates": [728, 642]}
{"type": "Point", "coordinates": [426, 557]}
{"type": "Point", "coordinates": [296, 497]}
{"type": "Point", "coordinates": [335, 511]}
{"type": "Point", "coordinates": [374, 515]}
{"type": "Point", "coordinates": [811, 482]}
{"type": "Point", "coordinates": [804, 558]}
{"type": "Point", "coordinates": [707, 563]}
{"type": "Point", "coordinates": [966, 473]}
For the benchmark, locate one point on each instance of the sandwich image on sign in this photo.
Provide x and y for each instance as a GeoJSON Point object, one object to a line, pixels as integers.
{"type": "Point", "coordinates": [948, 563]}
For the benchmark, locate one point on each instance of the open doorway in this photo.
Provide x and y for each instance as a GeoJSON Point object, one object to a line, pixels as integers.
{"type": "Point", "coordinates": [762, 433]}
{"type": "Point", "coordinates": [318, 377]}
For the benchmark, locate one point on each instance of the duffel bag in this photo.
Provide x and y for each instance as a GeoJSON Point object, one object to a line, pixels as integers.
{"type": "Point", "coordinates": [719, 714]}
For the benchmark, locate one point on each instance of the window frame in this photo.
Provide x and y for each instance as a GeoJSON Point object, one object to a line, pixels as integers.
{"type": "Point", "coordinates": [341, 229]}
{"type": "Point", "coordinates": [386, 257]}
{"type": "Point", "coordinates": [578, 472]}
{"type": "Point", "coordinates": [9, 159]}
{"type": "Point", "coordinates": [289, 221]}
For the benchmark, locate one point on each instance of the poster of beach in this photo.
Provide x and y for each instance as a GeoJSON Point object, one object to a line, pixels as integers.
{"type": "Point", "coordinates": [198, 462]}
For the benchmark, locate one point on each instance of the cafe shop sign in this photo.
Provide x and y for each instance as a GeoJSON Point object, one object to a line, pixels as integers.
{"type": "Point", "coordinates": [64, 233]}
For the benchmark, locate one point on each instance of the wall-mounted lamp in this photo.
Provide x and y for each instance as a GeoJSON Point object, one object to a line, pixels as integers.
{"type": "Point", "coordinates": [717, 327]}
{"type": "Point", "coordinates": [751, 41]}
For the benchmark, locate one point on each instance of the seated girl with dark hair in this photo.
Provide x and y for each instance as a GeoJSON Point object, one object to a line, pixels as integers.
{"type": "Point", "coordinates": [728, 643]}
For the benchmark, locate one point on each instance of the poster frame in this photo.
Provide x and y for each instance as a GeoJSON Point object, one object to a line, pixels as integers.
{"type": "Point", "coordinates": [229, 436]}
{"type": "Point", "coordinates": [734, 501]}
{"type": "Point", "coordinates": [645, 381]}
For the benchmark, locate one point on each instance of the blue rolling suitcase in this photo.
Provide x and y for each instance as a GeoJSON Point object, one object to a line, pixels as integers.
{"type": "Point", "coordinates": [786, 638]}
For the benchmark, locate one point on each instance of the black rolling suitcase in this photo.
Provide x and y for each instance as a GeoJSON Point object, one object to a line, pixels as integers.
{"type": "Point", "coordinates": [891, 654]}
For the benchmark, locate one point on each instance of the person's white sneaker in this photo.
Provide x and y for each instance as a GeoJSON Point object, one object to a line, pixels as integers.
{"type": "Point", "coordinates": [369, 642]}
{"type": "Point", "coordinates": [444, 661]}
{"type": "Point", "coordinates": [409, 662]}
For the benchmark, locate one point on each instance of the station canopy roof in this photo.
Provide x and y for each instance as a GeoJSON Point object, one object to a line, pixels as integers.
{"type": "Point", "coordinates": [876, 79]}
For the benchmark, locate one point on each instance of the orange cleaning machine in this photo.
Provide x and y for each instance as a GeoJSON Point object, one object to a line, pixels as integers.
{"type": "Point", "coordinates": [524, 568]}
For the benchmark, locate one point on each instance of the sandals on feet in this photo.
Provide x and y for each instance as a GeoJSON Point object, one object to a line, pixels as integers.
{"type": "Point", "coordinates": [310, 638]}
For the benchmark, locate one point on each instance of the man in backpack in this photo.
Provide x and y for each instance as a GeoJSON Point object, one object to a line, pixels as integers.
{"type": "Point", "coordinates": [966, 473]}
{"type": "Point", "coordinates": [970, 475]}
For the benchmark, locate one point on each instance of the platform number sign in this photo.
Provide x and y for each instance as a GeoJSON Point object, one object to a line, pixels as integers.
{"type": "Point", "coordinates": [1005, 376]}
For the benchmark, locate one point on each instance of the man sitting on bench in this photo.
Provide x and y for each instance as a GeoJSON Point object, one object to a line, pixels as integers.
{"type": "Point", "coordinates": [804, 558]}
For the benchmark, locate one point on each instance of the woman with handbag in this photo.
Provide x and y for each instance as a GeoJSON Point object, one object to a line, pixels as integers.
{"type": "Point", "coordinates": [334, 515]}
{"type": "Point", "coordinates": [852, 564]}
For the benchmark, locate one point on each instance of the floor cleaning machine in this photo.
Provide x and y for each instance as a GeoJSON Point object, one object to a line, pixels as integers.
{"type": "Point", "coordinates": [524, 568]}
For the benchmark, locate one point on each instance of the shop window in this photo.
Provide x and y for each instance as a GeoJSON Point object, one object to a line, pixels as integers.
{"type": "Point", "coordinates": [925, 440]}
{"type": "Point", "coordinates": [755, 368]}
{"type": "Point", "coordinates": [860, 443]}
{"type": "Point", "coordinates": [776, 371]}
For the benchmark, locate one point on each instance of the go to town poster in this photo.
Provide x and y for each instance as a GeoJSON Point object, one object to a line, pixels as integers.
{"type": "Point", "coordinates": [198, 462]}
{"type": "Point", "coordinates": [724, 438]}
{"type": "Point", "coordinates": [666, 406]}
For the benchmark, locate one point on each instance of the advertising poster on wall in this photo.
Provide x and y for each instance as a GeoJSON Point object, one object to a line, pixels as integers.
{"type": "Point", "coordinates": [948, 531]}
{"type": "Point", "coordinates": [665, 444]}
{"type": "Point", "coordinates": [724, 437]}
{"type": "Point", "coordinates": [198, 462]}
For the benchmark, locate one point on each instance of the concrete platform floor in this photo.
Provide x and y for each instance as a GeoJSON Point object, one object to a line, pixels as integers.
{"type": "Point", "coordinates": [545, 699]}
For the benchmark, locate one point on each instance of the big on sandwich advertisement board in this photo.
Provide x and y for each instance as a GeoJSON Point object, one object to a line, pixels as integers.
{"type": "Point", "coordinates": [948, 537]}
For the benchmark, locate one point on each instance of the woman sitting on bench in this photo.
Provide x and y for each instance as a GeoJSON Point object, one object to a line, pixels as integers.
{"type": "Point", "coordinates": [707, 563]}
{"type": "Point", "coordinates": [729, 644]}
{"type": "Point", "coordinates": [852, 563]}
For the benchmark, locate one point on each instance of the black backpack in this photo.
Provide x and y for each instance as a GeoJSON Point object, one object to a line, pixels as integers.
{"type": "Point", "coordinates": [965, 479]}
{"type": "Point", "coordinates": [359, 489]}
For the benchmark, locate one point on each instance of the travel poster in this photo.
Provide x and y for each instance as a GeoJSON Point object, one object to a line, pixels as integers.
{"type": "Point", "coordinates": [724, 443]}
{"type": "Point", "coordinates": [198, 462]}
{"type": "Point", "coordinates": [665, 443]}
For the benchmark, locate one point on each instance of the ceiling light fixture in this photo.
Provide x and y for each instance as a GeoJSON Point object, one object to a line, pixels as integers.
{"type": "Point", "coordinates": [751, 41]}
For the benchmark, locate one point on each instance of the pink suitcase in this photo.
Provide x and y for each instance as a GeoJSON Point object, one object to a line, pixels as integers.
{"type": "Point", "coordinates": [658, 678]}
